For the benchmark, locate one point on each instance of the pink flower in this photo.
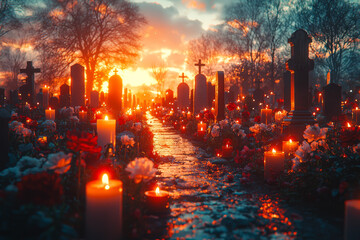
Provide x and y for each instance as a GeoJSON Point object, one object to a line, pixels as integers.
{"type": "Point", "coordinates": [141, 169]}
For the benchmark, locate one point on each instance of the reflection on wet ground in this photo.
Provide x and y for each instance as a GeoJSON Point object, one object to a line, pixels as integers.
{"type": "Point", "coordinates": [206, 206]}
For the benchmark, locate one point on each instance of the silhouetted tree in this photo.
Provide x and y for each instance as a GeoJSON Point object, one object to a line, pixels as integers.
{"type": "Point", "coordinates": [159, 72]}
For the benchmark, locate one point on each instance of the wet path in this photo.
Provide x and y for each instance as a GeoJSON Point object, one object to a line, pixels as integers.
{"type": "Point", "coordinates": [206, 206]}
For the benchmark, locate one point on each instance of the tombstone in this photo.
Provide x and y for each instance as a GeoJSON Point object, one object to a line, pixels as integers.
{"type": "Point", "coordinates": [77, 85]}
{"type": "Point", "coordinates": [27, 90]}
{"type": "Point", "coordinates": [54, 103]}
{"type": "Point", "coordinates": [332, 100]}
{"type": "Point", "coordinates": [287, 90]}
{"type": "Point", "coordinates": [210, 94]}
{"type": "Point", "coordinates": [94, 99]}
{"type": "Point", "coordinates": [192, 99]}
{"type": "Point", "coordinates": [125, 98]}
{"type": "Point", "coordinates": [115, 93]}
{"type": "Point", "coordinates": [40, 98]}
{"type": "Point", "coordinates": [219, 96]}
{"type": "Point", "coordinates": [134, 101]}
{"type": "Point", "coordinates": [183, 93]}
{"type": "Point", "coordinates": [64, 98]}
{"type": "Point", "coordinates": [130, 99]}
{"type": "Point", "coordinates": [169, 97]}
{"type": "Point", "coordinates": [2, 97]}
{"type": "Point", "coordinates": [102, 98]}
{"type": "Point", "coordinates": [14, 97]}
{"type": "Point", "coordinates": [234, 92]}
{"type": "Point", "coordinates": [4, 139]}
{"type": "Point", "coordinates": [200, 93]}
{"type": "Point", "coordinates": [299, 65]}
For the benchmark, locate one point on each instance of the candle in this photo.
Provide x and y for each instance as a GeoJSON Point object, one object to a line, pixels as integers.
{"type": "Point", "coordinates": [279, 115]}
{"type": "Point", "coordinates": [290, 146]}
{"type": "Point", "coordinates": [183, 128]}
{"type": "Point", "coordinates": [50, 114]}
{"type": "Point", "coordinates": [266, 115]}
{"type": "Point", "coordinates": [188, 115]}
{"type": "Point", "coordinates": [83, 116]}
{"type": "Point", "coordinates": [201, 127]}
{"type": "Point", "coordinates": [227, 150]}
{"type": "Point", "coordinates": [352, 220]}
{"type": "Point", "coordinates": [104, 209]}
{"type": "Point", "coordinates": [273, 164]}
{"type": "Point", "coordinates": [213, 111]}
{"type": "Point", "coordinates": [106, 130]}
{"type": "Point", "coordinates": [45, 92]}
{"type": "Point", "coordinates": [157, 201]}
{"type": "Point", "coordinates": [356, 116]}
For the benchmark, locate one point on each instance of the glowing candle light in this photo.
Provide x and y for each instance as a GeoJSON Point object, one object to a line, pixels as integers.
{"type": "Point", "coordinates": [50, 114]}
{"type": "Point", "coordinates": [157, 201]}
{"type": "Point", "coordinates": [356, 116]}
{"type": "Point", "coordinates": [106, 129]}
{"type": "Point", "coordinates": [227, 150]}
{"type": "Point", "coordinates": [290, 146]}
{"type": "Point", "coordinates": [266, 115]}
{"type": "Point", "coordinates": [83, 116]}
{"type": "Point", "coordinates": [352, 220]}
{"type": "Point", "coordinates": [45, 92]}
{"type": "Point", "coordinates": [188, 115]}
{"type": "Point", "coordinates": [273, 164]}
{"type": "Point", "coordinates": [201, 127]}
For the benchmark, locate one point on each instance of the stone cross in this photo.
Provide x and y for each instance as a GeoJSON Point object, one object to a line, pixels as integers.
{"type": "Point", "coordinates": [183, 77]}
{"type": "Point", "coordinates": [30, 80]}
{"type": "Point", "coordinates": [199, 64]}
{"type": "Point", "coordinates": [115, 71]}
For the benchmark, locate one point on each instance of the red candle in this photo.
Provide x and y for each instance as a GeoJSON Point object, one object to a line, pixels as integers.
{"type": "Point", "coordinates": [157, 201]}
{"type": "Point", "coordinates": [227, 150]}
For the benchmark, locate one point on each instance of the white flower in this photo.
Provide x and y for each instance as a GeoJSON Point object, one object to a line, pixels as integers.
{"type": "Point", "coordinates": [223, 123]}
{"type": "Point", "coordinates": [238, 131]}
{"type": "Point", "coordinates": [137, 126]}
{"type": "Point", "coordinates": [74, 119]}
{"type": "Point", "coordinates": [25, 132]}
{"type": "Point", "coordinates": [356, 148]}
{"type": "Point", "coordinates": [12, 172]}
{"type": "Point", "coordinates": [316, 144]}
{"type": "Point", "coordinates": [257, 128]}
{"type": "Point", "coordinates": [303, 150]}
{"type": "Point", "coordinates": [296, 161]}
{"type": "Point", "coordinates": [60, 162]}
{"type": "Point", "coordinates": [314, 133]}
{"type": "Point", "coordinates": [126, 140]}
{"type": "Point", "coordinates": [66, 112]}
{"type": "Point", "coordinates": [49, 125]}
{"type": "Point", "coordinates": [15, 125]}
{"type": "Point", "coordinates": [27, 162]}
{"type": "Point", "coordinates": [141, 169]}
{"type": "Point", "coordinates": [215, 131]}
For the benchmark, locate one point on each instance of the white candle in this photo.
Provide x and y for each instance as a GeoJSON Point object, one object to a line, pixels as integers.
{"type": "Point", "coordinates": [83, 116]}
{"type": "Point", "coordinates": [290, 146]}
{"type": "Point", "coordinates": [106, 130]}
{"type": "Point", "coordinates": [50, 114]}
{"type": "Point", "coordinates": [104, 209]}
{"type": "Point", "coordinates": [352, 220]}
{"type": "Point", "coordinates": [45, 92]}
{"type": "Point", "coordinates": [273, 164]}
{"type": "Point", "coordinates": [266, 115]}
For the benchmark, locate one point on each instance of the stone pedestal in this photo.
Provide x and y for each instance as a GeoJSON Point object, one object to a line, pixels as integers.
{"type": "Point", "coordinates": [200, 93]}
{"type": "Point", "coordinates": [332, 101]}
{"type": "Point", "coordinates": [115, 93]}
{"type": "Point", "coordinates": [77, 85]}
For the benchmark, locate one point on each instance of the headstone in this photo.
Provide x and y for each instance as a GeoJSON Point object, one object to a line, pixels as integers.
{"type": "Point", "coordinates": [210, 94]}
{"type": "Point", "coordinates": [234, 92]}
{"type": "Point", "coordinates": [2, 97]}
{"type": "Point", "coordinates": [183, 93]}
{"type": "Point", "coordinates": [94, 99]}
{"type": "Point", "coordinates": [130, 99]}
{"type": "Point", "coordinates": [332, 99]}
{"type": "Point", "coordinates": [287, 90]}
{"type": "Point", "coordinates": [27, 91]}
{"type": "Point", "coordinates": [200, 93]}
{"type": "Point", "coordinates": [115, 93]}
{"type": "Point", "coordinates": [219, 96]}
{"type": "Point", "coordinates": [299, 65]}
{"type": "Point", "coordinates": [64, 98]}
{"type": "Point", "coordinates": [134, 101]}
{"type": "Point", "coordinates": [125, 98]}
{"type": "Point", "coordinates": [54, 103]}
{"type": "Point", "coordinates": [77, 85]}
{"type": "Point", "coordinates": [192, 99]}
{"type": "Point", "coordinates": [4, 139]}
{"type": "Point", "coordinates": [169, 97]}
{"type": "Point", "coordinates": [102, 98]}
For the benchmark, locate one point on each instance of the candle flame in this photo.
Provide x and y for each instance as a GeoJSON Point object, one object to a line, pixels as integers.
{"type": "Point", "coordinates": [357, 108]}
{"type": "Point", "coordinates": [290, 140]}
{"type": "Point", "coordinates": [49, 108]}
{"type": "Point", "coordinates": [106, 118]}
{"type": "Point", "coordinates": [227, 145]}
{"type": "Point", "coordinates": [157, 191]}
{"type": "Point", "coordinates": [202, 129]}
{"type": "Point", "coordinates": [105, 179]}
{"type": "Point", "coordinates": [348, 125]}
{"type": "Point", "coordinates": [273, 150]}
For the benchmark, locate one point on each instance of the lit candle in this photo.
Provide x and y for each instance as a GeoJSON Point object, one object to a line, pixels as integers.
{"type": "Point", "coordinates": [213, 111]}
{"type": "Point", "coordinates": [273, 164]}
{"type": "Point", "coordinates": [106, 129]}
{"type": "Point", "coordinates": [83, 116]}
{"type": "Point", "coordinates": [201, 127]}
{"type": "Point", "coordinates": [290, 146]}
{"type": "Point", "coordinates": [45, 92]}
{"type": "Point", "coordinates": [50, 114]}
{"type": "Point", "coordinates": [104, 209]}
{"type": "Point", "coordinates": [188, 115]}
{"type": "Point", "coordinates": [279, 115]}
{"type": "Point", "coordinates": [227, 150]}
{"type": "Point", "coordinates": [157, 201]}
{"type": "Point", "coordinates": [356, 116]}
{"type": "Point", "coordinates": [352, 220]}
{"type": "Point", "coordinates": [266, 115]}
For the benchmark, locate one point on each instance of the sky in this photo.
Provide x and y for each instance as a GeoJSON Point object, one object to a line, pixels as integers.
{"type": "Point", "coordinates": [171, 24]}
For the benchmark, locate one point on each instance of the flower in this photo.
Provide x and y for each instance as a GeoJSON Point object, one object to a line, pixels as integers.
{"type": "Point", "coordinates": [231, 106]}
{"type": "Point", "coordinates": [303, 150]}
{"type": "Point", "coordinates": [257, 128]}
{"type": "Point", "coordinates": [223, 123]}
{"type": "Point", "coordinates": [25, 132]}
{"type": "Point", "coordinates": [27, 162]}
{"type": "Point", "coordinates": [41, 188]}
{"type": "Point", "coordinates": [314, 133]}
{"type": "Point", "coordinates": [137, 126]}
{"type": "Point", "coordinates": [86, 142]}
{"type": "Point", "coordinates": [66, 112]}
{"type": "Point", "coordinates": [215, 131]}
{"type": "Point", "coordinates": [15, 125]}
{"type": "Point", "coordinates": [141, 169]}
{"type": "Point", "coordinates": [74, 119]}
{"type": "Point", "coordinates": [238, 131]}
{"type": "Point", "coordinates": [60, 162]}
{"type": "Point", "coordinates": [127, 141]}
{"type": "Point", "coordinates": [49, 125]}
{"type": "Point", "coordinates": [316, 144]}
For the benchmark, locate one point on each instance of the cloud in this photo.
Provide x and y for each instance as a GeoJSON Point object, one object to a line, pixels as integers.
{"type": "Point", "coordinates": [203, 5]}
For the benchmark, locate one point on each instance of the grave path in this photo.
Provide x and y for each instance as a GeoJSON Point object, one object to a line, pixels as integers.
{"type": "Point", "coordinates": [206, 206]}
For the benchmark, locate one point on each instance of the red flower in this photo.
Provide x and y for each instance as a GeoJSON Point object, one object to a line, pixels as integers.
{"type": "Point", "coordinates": [41, 188]}
{"type": "Point", "coordinates": [231, 106]}
{"type": "Point", "coordinates": [257, 119]}
{"type": "Point", "coordinates": [86, 142]}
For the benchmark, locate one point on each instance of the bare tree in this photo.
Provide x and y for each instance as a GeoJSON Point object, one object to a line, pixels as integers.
{"type": "Point", "coordinates": [159, 72]}
{"type": "Point", "coordinates": [92, 32]}
{"type": "Point", "coordinates": [8, 17]}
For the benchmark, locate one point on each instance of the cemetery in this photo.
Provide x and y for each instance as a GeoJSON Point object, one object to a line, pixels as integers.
{"type": "Point", "coordinates": [110, 128]}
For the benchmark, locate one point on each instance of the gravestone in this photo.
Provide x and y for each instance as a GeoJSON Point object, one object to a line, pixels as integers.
{"type": "Point", "coordinates": [2, 97]}
{"type": "Point", "coordinates": [183, 93]}
{"type": "Point", "coordinates": [115, 93]}
{"type": "Point", "coordinates": [134, 101]}
{"type": "Point", "coordinates": [210, 94]}
{"type": "Point", "coordinates": [299, 65]}
{"type": "Point", "coordinates": [130, 99]}
{"type": "Point", "coordinates": [54, 103]}
{"type": "Point", "coordinates": [64, 98]}
{"type": "Point", "coordinates": [125, 98]}
{"type": "Point", "coordinates": [219, 96]}
{"type": "Point", "coordinates": [4, 139]}
{"type": "Point", "coordinates": [332, 100]}
{"type": "Point", "coordinates": [200, 93]}
{"type": "Point", "coordinates": [234, 92]}
{"type": "Point", "coordinates": [102, 98]}
{"type": "Point", "coordinates": [94, 99]}
{"type": "Point", "coordinates": [287, 90]}
{"type": "Point", "coordinates": [27, 90]}
{"type": "Point", "coordinates": [192, 99]}
{"type": "Point", "coordinates": [169, 97]}
{"type": "Point", "coordinates": [40, 98]}
{"type": "Point", "coordinates": [77, 85]}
